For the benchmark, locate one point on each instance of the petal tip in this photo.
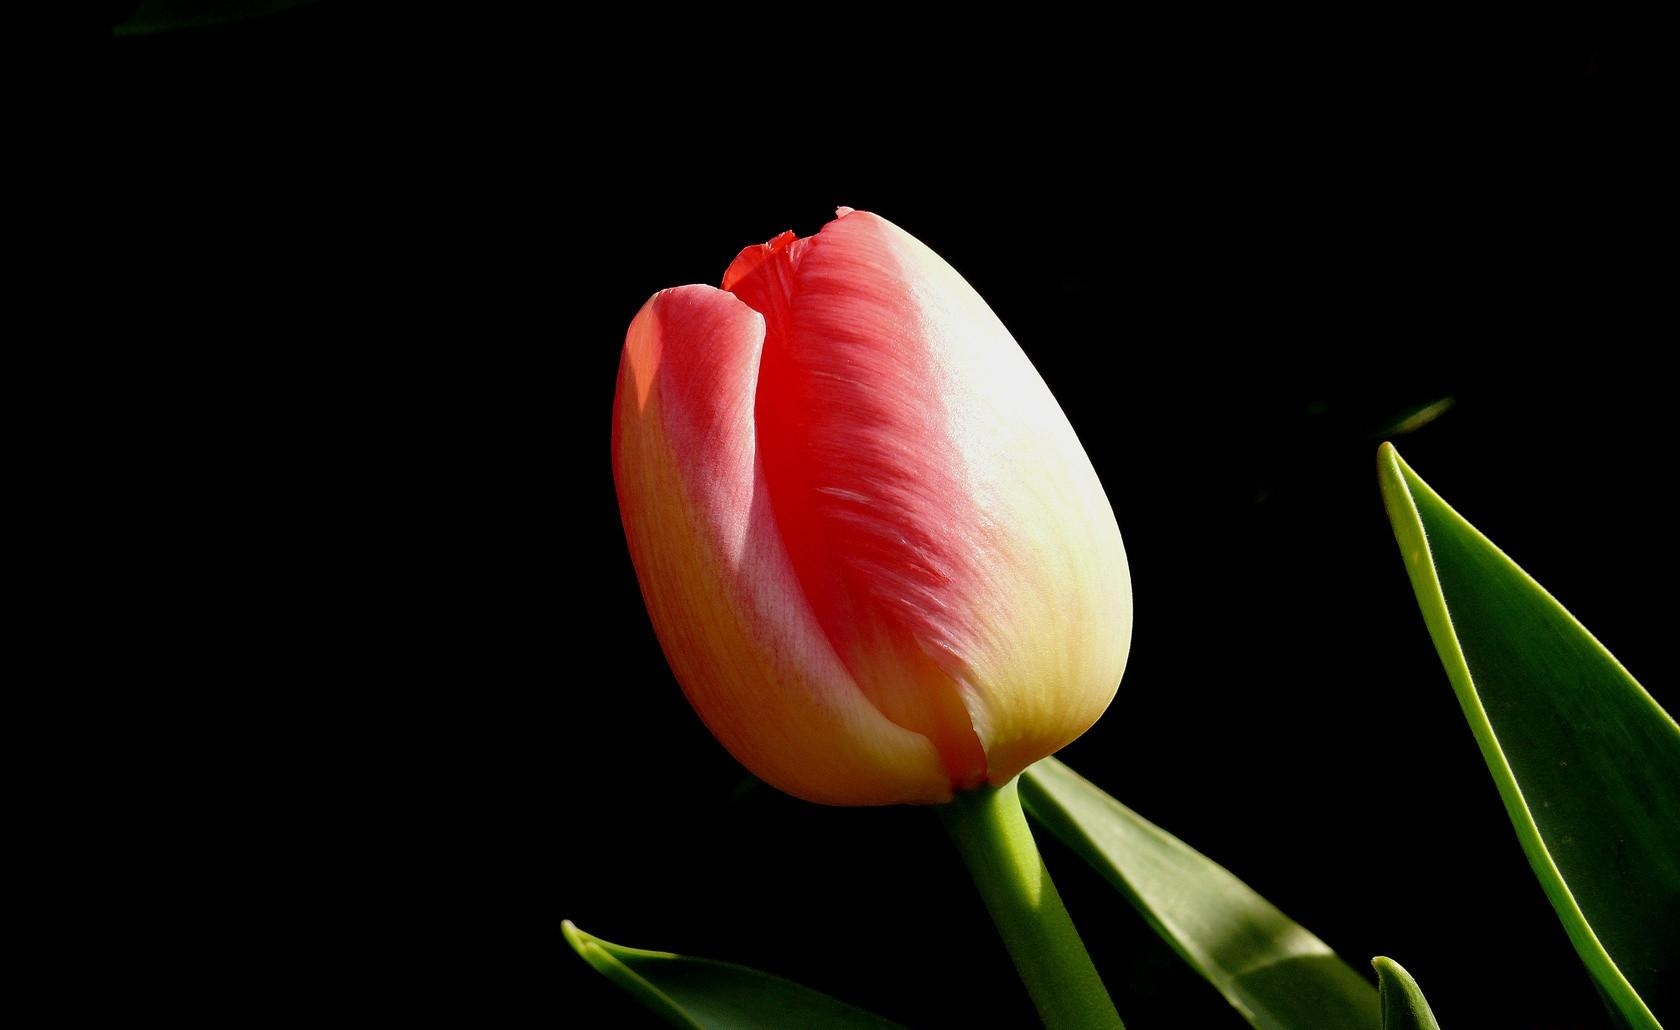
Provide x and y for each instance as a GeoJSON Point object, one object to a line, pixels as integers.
{"type": "Point", "coordinates": [748, 260]}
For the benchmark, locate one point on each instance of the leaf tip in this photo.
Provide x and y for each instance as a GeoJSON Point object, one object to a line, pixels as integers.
{"type": "Point", "coordinates": [1388, 460]}
{"type": "Point", "coordinates": [575, 937]}
{"type": "Point", "coordinates": [1391, 476]}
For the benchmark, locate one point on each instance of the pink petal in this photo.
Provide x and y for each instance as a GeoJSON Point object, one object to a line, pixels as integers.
{"type": "Point", "coordinates": [864, 475]}
{"type": "Point", "coordinates": [942, 518]}
{"type": "Point", "coordinates": [721, 592]}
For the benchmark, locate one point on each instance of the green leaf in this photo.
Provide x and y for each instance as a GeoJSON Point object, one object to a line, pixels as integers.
{"type": "Point", "coordinates": [1279, 976]}
{"type": "Point", "coordinates": [1587, 763]}
{"type": "Point", "coordinates": [1403, 1004]}
{"type": "Point", "coordinates": [700, 994]}
{"type": "Point", "coordinates": [164, 15]}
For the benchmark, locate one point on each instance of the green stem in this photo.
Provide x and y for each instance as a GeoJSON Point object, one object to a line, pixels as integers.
{"type": "Point", "coordinates": [991, 833]}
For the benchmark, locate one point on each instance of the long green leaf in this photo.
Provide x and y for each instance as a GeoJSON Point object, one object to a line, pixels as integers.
{"type": "Point", "coordinates": [1403, 1004]}
{"type": "Point", "coordinates": [1271, 970]}
{"type": "Point", "coordinates": [1587, 763]}
{"type": "Point", "coordinates": [700, 994]}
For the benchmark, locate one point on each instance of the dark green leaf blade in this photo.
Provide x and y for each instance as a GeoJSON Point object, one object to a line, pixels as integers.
{"type": "Point", "coordinates": [1586, 762]}
{"type": "Point", "coordinates": [1403, 1004]}
{"type": "Point", "coordinates": [700, 994]}
{"type": "Point", "coordinates": [1272, 971]}
{"type": "Point", "coordinates": [166, 15]}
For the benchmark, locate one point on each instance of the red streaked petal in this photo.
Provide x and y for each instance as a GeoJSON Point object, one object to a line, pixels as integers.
{"type": "Point", "coordinates": [865, 480]}
{"type": "Point", "coordinates": [720, 590]}
{"type": "Point", "coordinates": [1039, 626]}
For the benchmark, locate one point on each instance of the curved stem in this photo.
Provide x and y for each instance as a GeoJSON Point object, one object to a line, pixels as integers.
{"type": "Point", "coordinates": [991, 833]}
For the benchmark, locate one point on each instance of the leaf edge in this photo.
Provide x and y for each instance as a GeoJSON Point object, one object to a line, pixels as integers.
{"type": "Point", "coordinates": [1397, 480]}
{"type": "Point", "coordinates": [600, 956]}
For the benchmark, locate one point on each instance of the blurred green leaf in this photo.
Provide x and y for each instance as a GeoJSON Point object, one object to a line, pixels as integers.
{"type": "Point", "coordinates": [1403, 1004]}
{"type": "Point", "coordinates": [164, 15]}
{"type": "Point", "coordinates": [1587, 763]}
{"type": "Point", "coordinates": [1271, 970]}
{"type": "Point", "coordinates": [1416, 417]}
{"type": "Point", "coordinates": [700, 994]}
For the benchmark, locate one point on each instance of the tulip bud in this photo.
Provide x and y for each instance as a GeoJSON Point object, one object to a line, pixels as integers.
{"type": "Point", "coordinates": [878, 560]}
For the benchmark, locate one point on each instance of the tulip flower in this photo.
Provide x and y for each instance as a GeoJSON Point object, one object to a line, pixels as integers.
{"type": "Point", "coordinates": [877, 558]}
{"type": "Point", "coordinates": [874, 552]}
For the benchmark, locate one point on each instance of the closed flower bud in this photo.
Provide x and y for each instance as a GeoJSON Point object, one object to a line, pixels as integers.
{"type": "Point", "coordinates": [877, 558]}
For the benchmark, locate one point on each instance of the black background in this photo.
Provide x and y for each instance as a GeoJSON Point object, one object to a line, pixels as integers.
{"type": "Point", "coordinates": [377, 262]}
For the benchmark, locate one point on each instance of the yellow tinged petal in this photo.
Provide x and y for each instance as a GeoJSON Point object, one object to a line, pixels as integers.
{"type": "Point", "coordinates": [1050, 616]}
